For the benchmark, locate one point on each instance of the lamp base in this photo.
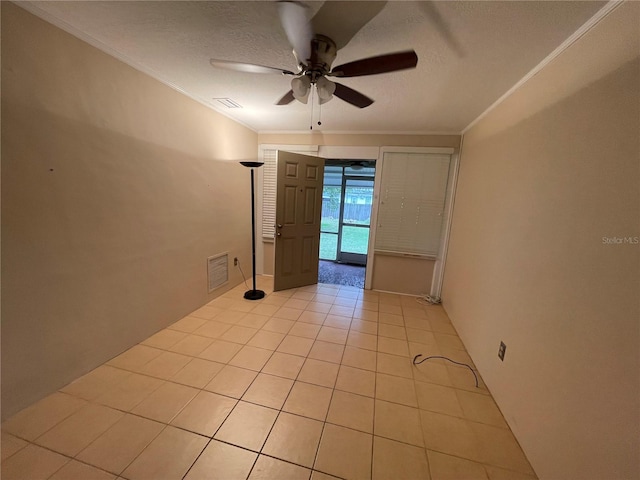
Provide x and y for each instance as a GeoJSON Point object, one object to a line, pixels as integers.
{"type": "Point", "coordinates": [254, 294]}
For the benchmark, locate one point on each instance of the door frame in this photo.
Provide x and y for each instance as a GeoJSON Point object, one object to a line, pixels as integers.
{"type": "Point", "coordinates": [370, 154]}
{"type": "Point", "coordinates": [265, 246]}
{"type": "Point", "coordinates": [342, 256]}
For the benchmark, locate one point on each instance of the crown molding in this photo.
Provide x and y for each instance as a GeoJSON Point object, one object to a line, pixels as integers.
{"type": "Point", "coordinates": [577, 35]}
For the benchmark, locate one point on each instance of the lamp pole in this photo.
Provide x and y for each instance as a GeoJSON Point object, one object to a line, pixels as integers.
{"type": "Point", "coordinates": [253, 294]}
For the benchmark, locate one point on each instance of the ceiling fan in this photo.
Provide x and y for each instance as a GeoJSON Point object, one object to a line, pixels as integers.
{"type": "Point", "coordinates": [315, 52]}
{"type": "Point", "coordinates": [360, 164]}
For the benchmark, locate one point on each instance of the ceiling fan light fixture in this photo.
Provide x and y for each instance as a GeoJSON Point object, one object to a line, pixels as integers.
{"type": "Point", "coordinates": [315, 54]}
{"type": "Point", "coordinates": [325, 88]}
{"type": "Point", "coordinates": [301, 87]}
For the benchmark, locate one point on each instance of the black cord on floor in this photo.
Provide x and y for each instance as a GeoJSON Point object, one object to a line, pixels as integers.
{"type": "Point", "coordinates": [415, 362]}
{"type": "Point", "coordinates": [243, 277]}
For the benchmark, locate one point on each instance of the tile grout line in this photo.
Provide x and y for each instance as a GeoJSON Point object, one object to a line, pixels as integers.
{"type": "Point", "coordinates": [141, 451]}
{"type": "Point", "coordinates": [280, 410]}
{"type": "Point", "coordinates": [333, 390]}
{"type": "Point", "coordinates": [375, 392]}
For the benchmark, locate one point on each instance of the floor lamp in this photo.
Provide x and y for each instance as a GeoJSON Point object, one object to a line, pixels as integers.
{"type": "Point", "coordinates": [253, 294]}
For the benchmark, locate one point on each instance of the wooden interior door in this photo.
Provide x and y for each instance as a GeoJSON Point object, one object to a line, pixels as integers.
{"type": "Point", "coordinates": [298, 214]}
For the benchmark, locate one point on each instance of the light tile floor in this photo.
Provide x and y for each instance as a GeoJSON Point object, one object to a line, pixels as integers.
{"type": "Point", "coordinates": [312, 383]}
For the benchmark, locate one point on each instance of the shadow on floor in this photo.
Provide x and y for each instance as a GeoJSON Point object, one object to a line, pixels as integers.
{"type": "Point", "coordinates": [340, 274]}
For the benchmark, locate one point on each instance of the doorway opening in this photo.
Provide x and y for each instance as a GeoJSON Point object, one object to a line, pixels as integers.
{"type": "Point", "coordinates": [347, 199]}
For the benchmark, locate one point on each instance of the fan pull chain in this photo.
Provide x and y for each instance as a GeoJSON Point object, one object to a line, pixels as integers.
{"type": "Point", "coordinates": [320, 115]}
{"type": "Point", "coordinates": [311, 120]}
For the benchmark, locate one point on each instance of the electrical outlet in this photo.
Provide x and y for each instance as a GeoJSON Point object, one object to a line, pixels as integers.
{"type": "Point", "coordinates": [501, 351]}
{"type": "Point", "coordinates": [235, 261]}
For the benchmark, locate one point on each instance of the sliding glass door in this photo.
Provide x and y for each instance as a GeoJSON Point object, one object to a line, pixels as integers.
{"type": "Point", "coordinates": [346, 211]}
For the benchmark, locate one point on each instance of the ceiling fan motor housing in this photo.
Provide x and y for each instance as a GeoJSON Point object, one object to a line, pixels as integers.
{"type": "Point", "coordinates": [323, 53]}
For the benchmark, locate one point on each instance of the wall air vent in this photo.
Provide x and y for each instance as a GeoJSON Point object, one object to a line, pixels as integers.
{"type": "Point", "coordinates": [227, 102]}
{"type": "Point", "coordinates": [218, 270]}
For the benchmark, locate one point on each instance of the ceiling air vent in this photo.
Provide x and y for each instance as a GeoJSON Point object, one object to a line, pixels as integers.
{"type": "Point", "coordinates": [218, 270]}
{"type": "Point", "coordinates": [227, 102]}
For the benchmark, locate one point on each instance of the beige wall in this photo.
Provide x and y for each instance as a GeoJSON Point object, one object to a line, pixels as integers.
{"type": "Point", "coordinates": [360, 139]}
{"type": "Point", "coordinates": [402, 274]}
{"type": "Point", "coordinates": [543, 178]}
{"type": "Point", "coordinates": [390, 273]}
{"type": "Point", "coordinates": [269, 251]}
{"type": "Point", "coordinates": [115, 190]}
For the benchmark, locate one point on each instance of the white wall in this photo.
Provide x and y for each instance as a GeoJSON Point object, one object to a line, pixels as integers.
{"type": "Point", "coordinates": [115, 190]}
{"type": "Point", "coordinates": [543, 178]}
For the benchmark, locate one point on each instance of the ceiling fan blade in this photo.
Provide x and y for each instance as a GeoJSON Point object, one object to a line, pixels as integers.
{"type": "Point", "coordinates": [287, 99]}
{"type": "Point", "coordinates": [340, 21]}
{"type": "Point", "coordinates": [374, 65]}
{"type": "Point", "coordinates": [294, 17]}
{"type": "Point", "coordinates": [431, 11]}
{"type": "Point", "coordinates": [247, 67]}
{"type": "Point", "coordinates": [352, 96]}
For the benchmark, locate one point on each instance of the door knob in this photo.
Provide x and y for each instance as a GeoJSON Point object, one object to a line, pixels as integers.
{"type": "Point", "coordinates": [278, 234]}
{"type": "Point", "coordinates": [279, 226]}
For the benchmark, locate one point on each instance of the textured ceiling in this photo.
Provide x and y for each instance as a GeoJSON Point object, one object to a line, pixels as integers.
{"type": "Point", "coordinates": [470, 54]}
